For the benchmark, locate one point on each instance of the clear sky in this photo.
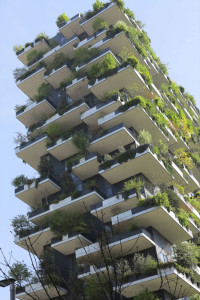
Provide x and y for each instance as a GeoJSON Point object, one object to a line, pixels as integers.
{"type": "Point", "coordinates": [174, 29]}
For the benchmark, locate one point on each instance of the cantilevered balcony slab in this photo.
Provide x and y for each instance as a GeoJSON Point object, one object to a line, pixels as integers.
{"type": "Point", "coordinates": [110, 207]}
{"type": "Point", "coordinates": [38, 46]}
{"type": "Point", "coordinates": [111, 14]}
{"type": "Point", "coordinates": [180, 143]}
{"type": "Point", "coordinates": [97, 59]}
{"type": "Point", "coordinates": [117, 44]}
{"type": "Point", "coordinates": [32, 151]}
{"type": "Point", "coordinates": [31, 83]}
{"type": "Point", "coordinates": [91, 116]}
{"type": "Point", "coordinates": [32, 194]}
{"type": "Point", "coordinates": [72, 27]}
{"type": "Point", "coordinates": [63, 149]}
{"type": "Point", "coordinates": [92, 39]}
{"type": "Point", "coordinates": [87, 166]}
{"type": "Point", "coordinates": [56, 76]}
{"type": "Point", "coordinates": [119, 245]}
{"type": "Point", "coordinates": [116, 136]}
{"type": "Point", "coordinates": [37, 291]}
{"type": "Point", "coordinates": [82, 203]}
{"type": "Point", "coordinates": [177, 284]}
{"type": "Point", "coordinates": [160, 79]}
{"type": "Point", "coordinates": [69, 119]}
{"type": "Point", "coordinates": [145, 163]}
{"type": "Point", "coordinates": [132, 118]}
{"type": "Point", "coordinates": [67, 49]}
{"type": "Point", "coordinates": [34, 242]}
{"type": "Point", "coordinates": [193, 183]}
{"type": "Point", "coordinates": [159, 218]}
{"type": "Point", "coordinates": [196, 172]}
{"type": "Point", "coordinates": [178, 175]}
{"type": "Point", "coordinates": [68, 244]}
{"type": "Point", "coordinates": [78, 88]}
{"type": "Point", "coordinates": [35, 111]}
{"type": "Point", "coordinates": [125, 77]}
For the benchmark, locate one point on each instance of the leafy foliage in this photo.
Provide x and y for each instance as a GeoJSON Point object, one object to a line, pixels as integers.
{"type": "Point", "coordinates": [187, 254]}
{"type": "Point", "coordinates": [17, 48]}
{"type": "Point", "coordinates": [20, 272]}
{"type": "Point", "coordinates": [44, 91]}
{"type": "Point", "coordinates": [99, 24]}
{"type": "Point", "coordinates": [144, 137]}
{"type": "Point", "coordinates": [61, 19]}
{"type": "Point", "coordinates": [81, 140]}
{"type": "Point", "coordinates": [97, 5]}
{"type": "Point", "coordinates": [183, 158]}
{"type": "Point", "coordinates": [21, 225]}
{"type": "Point", "coordinates": [83, 55]}
{"type": "Point", "coordinates": [21, 180]}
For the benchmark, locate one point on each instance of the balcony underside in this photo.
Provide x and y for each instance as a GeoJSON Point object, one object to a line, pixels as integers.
{"type": "Point", "coordinates": [68, 245]}
{"type": "Point", "coordinates": [87, 169]}
{"type": "Point", "coordinates": [71, 28]}
{"type": "Point", "coordinates": [55, 78]}
{"type": "Point", "coordinates": [63, 149]}
{"type": "Point", "coordinates": [91, 40]}
{"type": "Point", "coordinates": [30, 85]}
{"type": "Point", "coordinates": [35, 242]}
{"type": "Point", "coordinates": [132, 118]}
{"type": "Point", "coordinates": [111, 14]}
{"type": "Point", "coordinates": [78, 89]}
{"type": "Point", "coordinates": [114, 206]}
{"type": "Point", "coordinates": [160, 79]}
{"type": "Point", "coordinates": [170, 280]}
{"type": "Point", "coordinates": [41, 46]}
{"type": "Point", "coordinates": [32, 153]}
{"type": "Point", "coordinates": [125, 78]}
{"type": "Point", "coordinates": [111, 142]}
{"type": "Point", "coordinates": [68, 120]}
{"type": "Point", "coordinates": [103, 273]}
{"type": "Point", "coordinates": [33, 194]}
{"type": "Point", "coordinates": [144, 164]}
{"type": "Point", "coordinates": [37, 291]}
{"type": "Point", "coordinates": [91, 116]}
{"type": "Point", "coordinates": [36, 111]}
{"type": "Point", "coordinates": [159, 218]}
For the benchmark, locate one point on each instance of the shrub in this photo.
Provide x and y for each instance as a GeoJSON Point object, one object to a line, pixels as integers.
{"type": "Point", "coordinates": [61, 19]}
{"type": "Point", "coordinates": [34, 56]}
{"type": "Point", "coordinates": [95, 71]}
{"type": "Point", "coordinates": [21, 225]}
{"type": "Point", "coordinates": [187, 254]}
{"type": "Point", "coordinates": [112, 94]}
{"type": "Point", "coordinates": [20, 272]}
{"type": "Point", "coordinates": [144, 265]}
{"type": "Point", "coordinates": [160, 199]}
{"type": "Point", "coordinates": [42, 36]}
{"type": "Point", "coordinates": [83, 55]}
{"type": "Point", "coordinates": [121, 26]}
{"type": "Point", "coordinates": [20, 139]}
{"type": "Point", "coordinates": [18, 73]}
{"type": "Point", "coordinates": [145, 295]}
{"type": "Point", "coordinates": [145, 74]}
{"type": "Point", "coordinates": [160, 120]}
{"type": "Point", "coordinates": [196, 158]}
{"type": "Point", "coordinates": [133, 61]}
{"type": "Point", "coordinates": [99, 24]}
{"type": "Point", "coordinates": [17, 48]}
{"type": "Point", "coordinates": [144, 137]}
{"type": "Point", "coordinates": [53, 131]}
{"type": "Point", "coordinates": [109, 62]}
{"type": "Point", "coordinates": [174, 87]}
{"type": "Point", "coordinates": [45, 167]}
{"type": "Point", "coordinates": [183, 158]}
{"type": "Point", "coordinates": [183, 218]}
{"type": "Point", "coordinates": [120, 4]}
{"type": "Point", "coordinates": [21, 180]}
{"type": "Point", "coordinates": [97, 5]}
{"type": "Point", "coordinates": [44, 91]}
{"type": "Point", "coordinates": [67, 183]}
{"type": "Point", "coordinates": [174, 200]}
{"type": "Point", "coordinates": [129, 13]}
{"type": "Point", "coordinates": [81, 140]}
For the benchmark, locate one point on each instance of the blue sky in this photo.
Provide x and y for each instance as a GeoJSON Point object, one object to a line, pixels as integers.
{"type": "Point", "coordinates": [174, 29]}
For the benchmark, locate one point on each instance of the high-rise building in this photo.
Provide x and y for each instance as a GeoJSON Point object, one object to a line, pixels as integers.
{"type": "Point", "coordinates": [114, 211]}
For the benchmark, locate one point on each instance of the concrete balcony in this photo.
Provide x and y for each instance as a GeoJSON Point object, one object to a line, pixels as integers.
{"type": "Point", "coordinates": [105, 272]}
{"type": "Point", "coordinates": [67, 49]}
{"type": "Point", "coordinates": [159, 218]}
{"type": "Point", "coordinates": [71, 27]}
{"type": "Point", "coordinates": [63, 149]}
{"type": "Point", "coordinates": [38, 46]}
{"type": "Point", "coordinates": [58, 75]}
{"type": "Point", "coordinates": [68, 244]}
{"type": "Point", "coordinates": [112, 138]}
{"type": "Point", "coordinates": [70, 119]}
{"type": "Point", "coordinates": [91, 116]}
{"type": "Point", "coordinates": [87, 166]}
{"type": "Point", "coordinates": [177, 284]}
{"type": "Point", "coordinates": [37, 290]}
{"type": "Point", "coordinates": [110, 13]}
{"type": "Point", "coordinates": [92, 39]}
{"type": "Point", "coordinates": [32, 151]}
{"type": "Point", "coordinates": [119, 245]}
{"type": "Point", "coordinates": [178, 175]}
{"type": "Point", "coordinates": [97, 59]}
{"type": "Point", "coordinates": [81, 203]}
{"type": "Point", "coordinates": [41, 188]}
{"type": "Point", "coordinates": [35, 111]}
{"type": "Point", "coordinates": [132, 118]}
{"type": "Point", "coordinates": [146, 163]}
{"type": "Point", "coordinates": [35, 241]}
{"type": "Point", "coordinates": [78, 88]}
{"type": "Point", "coordinates": [125, 77]}
{"type": "Point", "coordinates": [180, 143]}
{"type": "Point", "coordinates": [32, 82]}
{"type": "Point", "coordinates": [110, 207]}
{"type": "Point", "coordinates": [193, 183]}
{"type": "Point", "coordinates": [160, 78]}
